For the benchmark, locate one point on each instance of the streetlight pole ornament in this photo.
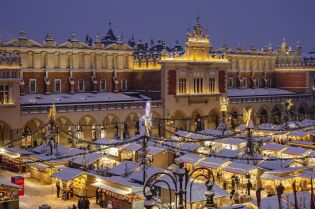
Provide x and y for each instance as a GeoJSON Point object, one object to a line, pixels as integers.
{"type": "Point", "coordinates": [247, 117]}
{"type": "Point", "coordinates": [224, 103]}
{"type": "Point", "coordinates": [52, 112]}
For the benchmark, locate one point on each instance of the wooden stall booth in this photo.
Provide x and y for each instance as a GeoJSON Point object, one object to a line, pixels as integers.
{"type": "Point", "coordinates": [120, 193]}
{"type": "Point", "coordinates": [189, 160]}
{"type": "Point", "coordinates": [9, 195]}
{"type": "Point", "coordinates": [130, 152]}
{"type": "Point", "coordinates": [12, 158]}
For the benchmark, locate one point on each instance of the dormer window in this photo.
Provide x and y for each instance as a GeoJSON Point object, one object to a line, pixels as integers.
{"type": "Point", "coordinates": [244, 82]}
{"type": "Point", "coordinates": [230, 83]}
{"type": "Point", "coordinates": [32, 86]}
{"type": "Point", "coordinates": [81, 85]}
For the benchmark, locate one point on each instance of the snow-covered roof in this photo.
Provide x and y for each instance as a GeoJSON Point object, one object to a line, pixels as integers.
{"type": "Point", "coordinates": [308, 122]}
{"type": "Point", "coordinates": [87, 159]}
{"type": "Point", "coordinates": [125, 167]}
{"type": "Point", "coordinates": [68, 174]}
{"type": "Point", "coordinates": [212, 162]}
{"type": "Point", "coordinates": [106, 141]}
{"type": "Point", "coordinates": [295, 151]}
{"type": "Point", "coordinates": [138, 174]}
{"type": "Point", "coordinates": [308, 174]}
{"type": "Point", "coordinates": [19, 151]}
{"type": "Point", "coordinates": [155, 150]}
{"type": "Point", "coordinates": [72, 152]}
{"type": "Point", "coordinates": [77, 98]}
{"type": "Point", "coordinates": [272, 165]}
{"type": "Point", "coordinates": [273, 147]}
{"type": "Point", "coordinates": [132, 147]}
{"type": "Point", "coordinates": [228, 153]}
{"type": "Point", "coordinates": [240, 168]}
{"type": "Point", "coordinates": [298, 133]}
{"type": "Point", "coordinates": [123, 181]}
{"type": "Point", "coordinates": [233, 141]}
{"type": "Point", "coordinates": [9, 184]}
{"type": "Point", "coordinates": [191, 135]}
{"type": "Point", "coordinates": [189, 158]}
{"type": "Point", "coordinates": [41, 149]}
{"type": "Point", "coordinates": [189, 146]}
{"type": "Point", "coordinates": [215, 132]}
{"type": "Point", "coordinates": [39, 166]}
{"type": "Point", "coordinates": [257, 92]}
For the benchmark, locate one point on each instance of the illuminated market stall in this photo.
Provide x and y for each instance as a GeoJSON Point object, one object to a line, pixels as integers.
{"type": "Point", "coordinates": [12, 158]}
{"type": "Point", "coordinates": [9, 195]}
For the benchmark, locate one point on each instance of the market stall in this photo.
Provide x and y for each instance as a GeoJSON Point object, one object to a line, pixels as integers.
{"type": "Point", "coordinates": [272, 149]}
{"type": "Point", "coordinates": [189, 160]}
{"type": "Point", "coordinates": [160, 157]}
{"type": "Point", "coordinates": [9, 197]}
{"type": "Point", "coordinates": [233, 143]}
{"type": "Point", "coordinates": [89, 161]}
{"type": "Point", "coordinates": [214, 164]}
{"type": "Point", "coordinates": [118, 192]}
{"type": "Point", "coordinates": [294, 152]}
{"type": "Point", "coordinates": [124, 169]}
{"type": "Point", "coordinates": [130, 152]}
{"type": "Point", "coordinates": [12, 158]}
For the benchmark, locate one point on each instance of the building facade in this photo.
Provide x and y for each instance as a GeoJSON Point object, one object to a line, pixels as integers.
{"type": "Point", "coordinates": [100, 87]}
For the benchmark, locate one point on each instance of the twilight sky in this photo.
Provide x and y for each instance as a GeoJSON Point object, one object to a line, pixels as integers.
{"type": "Point", "coordinates": [235, 21]}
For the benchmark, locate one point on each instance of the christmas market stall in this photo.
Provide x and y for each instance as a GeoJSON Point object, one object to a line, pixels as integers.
{"type": "Point", "coordinates": [273, 163]}
{"type": "Point", "coordinates": [214, 164]}
{"type": "Point", "coordinates": [159, 157]}
{"type": "Point", "coordinates": [286, 176]}
{"type": "Point", "coordinates": [120, 193]}
{"type": "Point", "coordinates": [298, 135]}
{"type": "Point", "coordinates": [233, 143]}
{"type": "Point", "coordinates": [103, 143]}
{"type": "Point", "coordinates": [124, 169]}
{"type": "Point", "coordinates": [12, 157]}
{"type": "Point", "coordinates": [9, 195]}
{"type": "Point", "coordinates": [296, 152]}
{"type": "Point", "coordinates": [70, 181]}
{"type": "Point", "coordinates": [189, 160]}
{"type": "Point", "coordinates": [130, 152]}
{"type": "Point", "coordinates": [92, 161]}
{"type": "Point", "coordinates": [272, 149]}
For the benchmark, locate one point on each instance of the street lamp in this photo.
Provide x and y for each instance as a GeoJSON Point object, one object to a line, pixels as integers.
{"type": "Point", "coordinates": [179, 179]}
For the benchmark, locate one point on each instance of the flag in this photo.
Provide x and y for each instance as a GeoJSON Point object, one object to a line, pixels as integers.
{"type": "Point", "coordinates": [296, 205]}
{"type": "Point", "coordinates": [312, 195]}
{"type": "Point", "coordinates": [258, 196]}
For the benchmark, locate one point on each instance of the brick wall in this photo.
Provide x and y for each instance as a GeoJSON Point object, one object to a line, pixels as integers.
{"type": "Point", "coordinates": [222, 81]}
{"type": "Point", "coordinates": [291, 81]}
{"type": "Point", "coordinates": [40, 84]}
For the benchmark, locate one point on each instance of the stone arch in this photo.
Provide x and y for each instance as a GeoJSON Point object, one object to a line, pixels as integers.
{"type": "Point", "coordinates": [131, 127]}
{"type": "Point", "coordinates": [234, 117]}
{"type": "Point", "coordinates": [197, 121]}
{"type": "Point", "coordinates": [32, 134]}
{"type": "Point", "coordinates": [5, 132]}
{"type": "Point", "coordinates": [262, 115]}
{"type": "Point", "coordinates": [155, 124]}
{"type": "Point", "coordinates": [110, 126]}
{"type": "Point", "coordinates": [213, 118]}
{"type": "Point", "coordinates": [180, 122]}
{"type": "Point", "coordinates": [87, 128]}
{"type": "Point", "coordinates": [276, 114]}
{"type": "Point", "coordinates": [302, 111]}
{"type": "Point", "coordinates": [65, 125]}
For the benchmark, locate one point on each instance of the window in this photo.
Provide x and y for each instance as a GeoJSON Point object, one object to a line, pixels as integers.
{"type": "Point", "coordinates": [182, 85]}
{"type": "Point", "coordinates": [198, 85]}
{"type": "Point", "coordinates": [230, 82]}
{"type": "Point", "coordinates": [4, 94]}
{"type": "Point", "coordinates": [212, 85]}
{"type": "Point", "coordinates": [257, 82]}
{"type": "Point", "coordinates": [32, 86]}
{"type": "Point", "coordinates": [81, 85]}
{"type": "Point", "coordinates": [124, 85]}
{"type": "Point", "coordinates": [270, 82]}
{"type": "Point", "coordinates": [57, 85]}
{"type": "Point", "coordinates": [244, 82]}
{"type": "Point", "coordinates": [102, 85]}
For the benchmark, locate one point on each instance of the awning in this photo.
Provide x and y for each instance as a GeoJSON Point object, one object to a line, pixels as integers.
{"type": "Point", "coordinates": [111, 189]}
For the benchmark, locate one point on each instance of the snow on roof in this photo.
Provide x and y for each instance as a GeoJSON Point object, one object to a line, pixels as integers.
{"type": "Point", "coordinates": [311, 154]}
{"type": "Point", "coordinates": [125, 167]}
{"type": "Point", "coordinates": [233, 141]}
{"type": "Point", "coordinates": [72, 152]}
{"type": "Point", "coordinates": [132, 147]}
{"type": "Point", "coordinates": [257, 92]}
{"type": "Point", "coordinates": [123, 181]}
{"type": "Point", "coordinates": [187, 134]}
{"type": "Point", "coordinates": [39, 166]}
{"type": "Point", "coordinates": [215, 132]}
{"type": "Point", "coordinates": [308, 174]}
{"type": "Point", "coordinates": [298, 133]}
{"type": "Point", "coordinates": [189, 158]}
{"type": "Point", "coordinates": [41, 149]}
{"type": "Point", "coordinates": [228, 153]}
{"type": "Point", "coordinates": [273, 147]}
{"type": "Point", "coordinates": [240, 168]}
{"type": "Point", "coordinates": [138, 174]}
{"type": "Point", "coordinates": [189, 146]}
{"type": "Point", "coordinates": [105, 141]}
{"type": "Point", "coordinates": [87, 159]}
{"type": "Point", "coordinates": [211, 162]}
{"type": "Point", "coordinates": [272, 165]}
{"type": "Point", "coordinates": [68, 174]}
{"type": "Point", "coordinates": [267, 126]}
{"type": "Point", "coordinates": [155, 150]}
{"type": "Point", "coordinates": [308, 122]}
{"type": "Point", "coordinates": [9, 184]}
{"type": "Point", "coordinates": [295, 150]}
{"type": "Point", "coordinates": [19, 151]}
{"type": "Point", "coordinates": [77, 98]}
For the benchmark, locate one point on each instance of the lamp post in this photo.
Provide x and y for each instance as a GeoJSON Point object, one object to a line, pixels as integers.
{"type": "Point", "coordinates": [224, 102]}
{"type": "Point", "coordinates": [180, 179]}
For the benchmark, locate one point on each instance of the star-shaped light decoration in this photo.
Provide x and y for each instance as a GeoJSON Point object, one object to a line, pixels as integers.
{"type": "Point", "coordinates": [224, 103]}
{"type": "Point", "coordinates": [52, 112]}
{"type": "Point", "coordinates": [247, 117]}
{"type": "Point", "coordinates": [289, 104]}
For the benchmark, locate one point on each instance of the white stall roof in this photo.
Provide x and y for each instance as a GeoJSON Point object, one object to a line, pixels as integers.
{"type": "Point", "coordinates": [240, 168]}
{"type": "Point", "coordinates": [41, 149]}
{"type": "Point", "coordinates": [9, 184]}
{"type": "Point", "coordinates": [211, 162]}
{"type": "Point", "coordinates": [189, 146]}
{"type": "Point", "coordinates": [106, 141]}
{"type": "Point", "coordinates": [298, 133]}
{"type": "Point", "coordinates": [273, 147]}
{"type": "Point", "coordinates": [124, 167]}
{"type": "Point", "coordinates": [132, 147]}
{"type": "Point", "coordinates": [272, 165]}
{"type": "Point", "coordinates": [87, 159]}
{"type": "Point", "coordinates": [228, 153]}
{"type": "Point", "coordinates": [68, 174]}
{"type": "Point", "coordinates": [215, 132]}
{"type": "Point", "coordinates": [233, 141]}
{"type": "Point", "coordinates": [138, 174]}
{"type": "Point", "coordinates": [295, 151]}
{"type": "Point", "coordinates": [155, 150]}
{"type": "Point", "coordinates": [19, 151]}
{"type": "Point", "coordinates": [189, 158]}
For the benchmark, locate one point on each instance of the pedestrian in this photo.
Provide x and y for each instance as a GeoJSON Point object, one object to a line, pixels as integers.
{"type": "Point", "coordinates": [74, 207]}
{"type": "Point", "coordinates": [224, 185]}
{"type": "Point", "coordinates": [71, 190]}
{"type": "Point", "coordinates": [80, 203]}
{"type": "Point", "coordinates": [58, 188]}
{"type": "Point", "coordinates": [219, 176]}
{"type": "Point", "coordinates": [232, 193]}
{"type": "Point", "coordinates": [87, 203]}
{"type": "Point", "coordinates": [248, 187]}
{"type": "Point", "coordinates": [233, 182]}
{"type": "Point", "coordinates": [237, 181]}
{"type": "Point", "coordinates": [97, 193]}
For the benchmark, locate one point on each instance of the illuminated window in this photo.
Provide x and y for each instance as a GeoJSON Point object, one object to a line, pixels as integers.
{"type": "Point", "coordinates": [270, 82]}
{"type": "Point", "coordinates": [32, 86]}
{"type": "Point", "coordinates": [230, 82]}
{"type": "Point", "coordinates": [102, 85]}
{"type": "Point", "coordinates": [212, 85]}
{"type": "Point", "coordinates": [198, 85]}
{"type": "Point", "coordinates": [123, 85]}
{"type": "Point", "coordinates": [4, 94]}
{"type": "Point", "coordinates": [57, 85]}
{"type": "Point", "coordinates": [81, 85]}
{"type": "Point", "coordinates": [244, 82]}
{"type": "Point", "coordinates": [182, 85]}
